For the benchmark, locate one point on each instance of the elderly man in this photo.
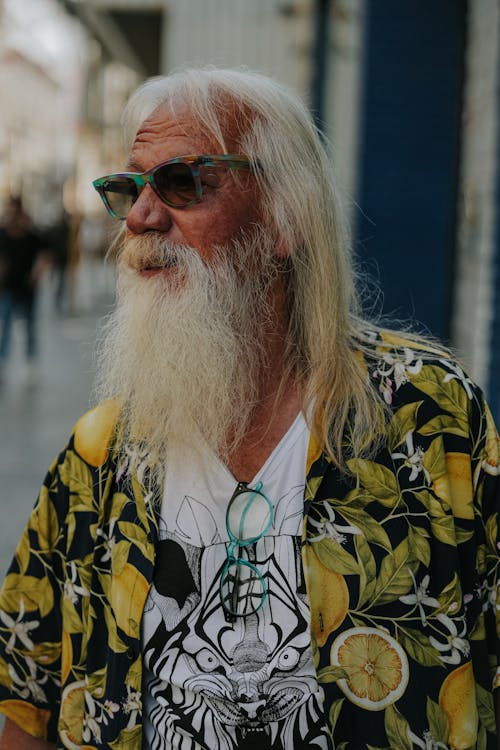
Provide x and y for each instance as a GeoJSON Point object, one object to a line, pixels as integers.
{"type": "Point", "coordinates": [278, 527]}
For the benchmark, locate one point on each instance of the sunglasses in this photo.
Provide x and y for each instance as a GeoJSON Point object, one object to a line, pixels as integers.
{"type": "Point", "coordinates": [243, 589]}
{"type": "Point", "coordinates": [178, 182]}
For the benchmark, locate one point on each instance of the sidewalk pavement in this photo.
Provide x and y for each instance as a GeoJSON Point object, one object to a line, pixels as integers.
{"type": "Point", "coordinates": [38, 408]}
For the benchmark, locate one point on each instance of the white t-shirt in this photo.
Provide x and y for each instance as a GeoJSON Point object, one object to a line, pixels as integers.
{"type": "Point", "coordinates": [210, 683]}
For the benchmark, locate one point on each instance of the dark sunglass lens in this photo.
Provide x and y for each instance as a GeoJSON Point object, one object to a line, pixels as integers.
{"type": "Point", "coordinates": [175, 183]}
{"type": "Point", "coordinates": [120, 193]}
{"type": "Point", "coordinates": [212, 176]}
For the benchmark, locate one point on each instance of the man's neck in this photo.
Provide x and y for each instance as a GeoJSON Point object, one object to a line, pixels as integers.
{"type": "Point", "coordinates": [271, 420]}
{"type": "Point", "coordinates": [279, 400]}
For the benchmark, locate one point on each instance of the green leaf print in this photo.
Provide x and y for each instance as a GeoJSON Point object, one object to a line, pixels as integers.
{"type": "Point", "coordinates": [332, 674]}
{"type": "Point", "coordinates": [445, 423]}
{"type": "Point", "coordinates": [335, 557]}
{"type": "Point", "coordinates": [450, 597]}
{"type": "Point", "coordinates": [437, 508]}
{"type": "Point", "coordinates": [403, 421]}
{"type": "Point", "coordinates": [482, 739]}
{"type": "Point", "coordinates": [76, 474]}
{"type": "Point", "coordinates": [438, 721]}
{"type": "Point", "coordinates": [417, 646]}
{"type": "Point", "coordinates": [371, 528]}
{"type": "Point", "coordinates": [394, 579]}
{"type": "Point", "coordinates": [434, 459]}
{"type": "Point", "coordinates": [335, 711]}
{"type": "Point", "coordinates": [367, 570]}
{"type": "Point", "coordinates": [312, 488]}
{"type": "Point", "coordinates": [485, 708]}
{"type": "Point", "coordinates": [444, 530]}
{"type": "Point", "coordinates": [135, 534]}
{"type": "Point", "coordinates": [380, 482]}
{"type": "Point", "coordinates": [450, 396]}
{"type": "Point", "coordinates": [491, 529]}
{"type": "Point", "coordinates": [396, 728]}
{"type": "Point", "coordinates": [419, 543]}
{"type": "Point", "coordinates": [120, 556]}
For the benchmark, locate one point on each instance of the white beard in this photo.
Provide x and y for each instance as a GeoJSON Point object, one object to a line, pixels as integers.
{"type": "Point", "coordinates": [184, 349]}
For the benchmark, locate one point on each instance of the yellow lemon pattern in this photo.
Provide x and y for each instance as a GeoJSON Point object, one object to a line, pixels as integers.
{"type": "Point", "coordinates": [457, 698]}
{"type": "Point", "coordinates": [72, 713]}
{"type": "Point", "coordinates": [129, 591]}
{"type": "Point", "coordinates": [328, 596]}
{"type": "Point", "coordinates": [376, 665]}
{"type": "Point", "coordinates": [93, 432]}
{"type": "Point", "coordinates": [454, 486]}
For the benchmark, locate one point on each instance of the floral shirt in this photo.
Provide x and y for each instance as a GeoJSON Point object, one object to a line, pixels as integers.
{"type": "Point", "coordinates": [400, 557]}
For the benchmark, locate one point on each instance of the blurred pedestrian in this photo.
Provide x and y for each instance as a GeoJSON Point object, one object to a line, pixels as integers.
{"type": "Point", "coordinates": [58, 241]}
{"type": "Point", "coordinates": [22, 262]}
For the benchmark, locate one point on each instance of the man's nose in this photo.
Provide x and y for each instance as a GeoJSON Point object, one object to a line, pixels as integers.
{"type": "Point", "coordinates": [148, 214]}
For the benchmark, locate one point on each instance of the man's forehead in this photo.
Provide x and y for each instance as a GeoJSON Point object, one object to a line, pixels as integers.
{"type": "Point", "coordinates": [161, 124]}
{"type": "Point", "coordinates": [181, 124]}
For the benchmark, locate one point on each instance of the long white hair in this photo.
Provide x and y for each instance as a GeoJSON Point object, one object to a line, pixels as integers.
{"type": "Point", "coordinates": [326, 333]}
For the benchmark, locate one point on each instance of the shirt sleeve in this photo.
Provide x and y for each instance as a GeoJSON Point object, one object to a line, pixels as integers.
{"type": "Point", "coordinates": [30, 616]}
{"type": "Point", "coordinates": [486, 464]}
{"type": "Point", "coordinates": [45, 598]}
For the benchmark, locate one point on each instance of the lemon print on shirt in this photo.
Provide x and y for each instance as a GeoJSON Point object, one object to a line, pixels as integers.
{"type": "Point", "coordinates": [457, 698]}
{"type": "Point", "coordinates": [376, 664]}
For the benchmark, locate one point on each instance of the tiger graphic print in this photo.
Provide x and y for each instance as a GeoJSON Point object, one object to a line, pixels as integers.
{"type": "Point", "coordinates": [210, 683]}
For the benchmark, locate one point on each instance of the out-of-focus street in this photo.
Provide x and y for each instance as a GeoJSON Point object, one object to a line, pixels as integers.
{"type": "Point", "coordinates": [38, 407]}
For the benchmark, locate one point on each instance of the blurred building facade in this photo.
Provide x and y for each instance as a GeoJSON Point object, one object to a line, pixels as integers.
{"type": "Point", "coordinates": [408, 94]}
{"type": "Point", "coordinates": [25, 160]}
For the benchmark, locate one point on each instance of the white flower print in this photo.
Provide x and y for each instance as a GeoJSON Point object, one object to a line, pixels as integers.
{"type": "Point", "coordinates": [327, 529]}
{"type": "Point", "coordinates": [109, 540]}
{"type": "Point", "coordinates": [19, 629]}
{"type": "Point", "coordinates": [110, 708]}
{"type": "Point", "coordinates": [490, 598]}
{"type": "Point", "coordinates": [95, 715]}
{"type": "Point", "coordinates": [456, 646]}
{"type": "Point", "coordinates": [413, 459]}
{"type": "Point", "coordinates": [385, 388]}
{"type": "Point", "coordinates": [91, 729]}
{"type": "Point", "coordinates": [395, 369]}
{"type": "Point", "coordinates": [136, 461]}
{"type": "Point", "coordinates": [133, 706]}
{"type": "Point", "coordinates": [457, 374]}
{"type": "Point", "coordinates": [31, 686]}
{"type": "Point", "coordinates": [72, 590]}
{"type": "Point", "coordinates": [427, 742]}
{"type": "Point", "coordinates": [420, 597]}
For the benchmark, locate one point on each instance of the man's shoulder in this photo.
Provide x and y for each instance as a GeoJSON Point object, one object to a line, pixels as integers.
{"type": "Point", "coordinates": [94, 431]}
{"type": "Point", "coordinates": [397, 362]}
{"type": "Point", "coordinates": [388, 349]}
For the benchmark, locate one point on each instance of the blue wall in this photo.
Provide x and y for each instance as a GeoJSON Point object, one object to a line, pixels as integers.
{"type": "Point", "coordinates": [411, 109]}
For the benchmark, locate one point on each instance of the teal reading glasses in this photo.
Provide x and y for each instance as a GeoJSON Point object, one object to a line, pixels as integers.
{"type": "Point", "coordinates": [249, 516]}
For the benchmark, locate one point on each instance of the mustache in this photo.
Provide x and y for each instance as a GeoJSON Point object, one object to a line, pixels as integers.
{"type": "Point", "coordinates": [153, 251]}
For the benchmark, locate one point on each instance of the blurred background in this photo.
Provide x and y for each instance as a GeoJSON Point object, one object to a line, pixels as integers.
{"type": "Point", "coordinates": [407, 92]}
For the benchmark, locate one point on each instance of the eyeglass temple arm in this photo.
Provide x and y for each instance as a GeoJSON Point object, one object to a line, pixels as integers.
{"type": "Point", "coordinates": [233, 162]}
{"type": "Point", "coordinates": [253, 491]}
